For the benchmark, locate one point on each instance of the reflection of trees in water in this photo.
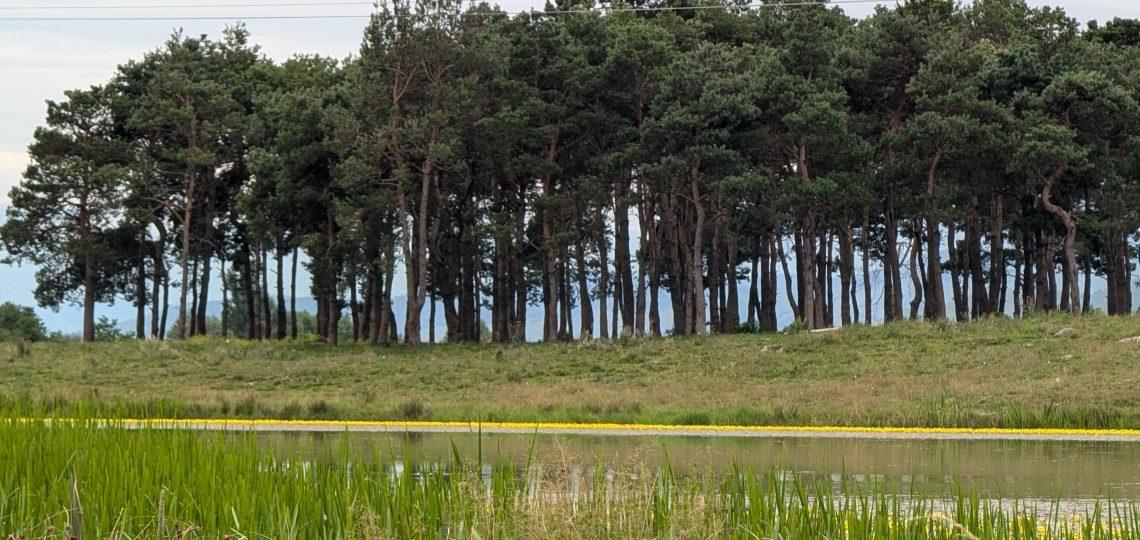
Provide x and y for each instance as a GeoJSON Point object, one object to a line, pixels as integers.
{"type": "Point", "coordinates": [1075, 470]}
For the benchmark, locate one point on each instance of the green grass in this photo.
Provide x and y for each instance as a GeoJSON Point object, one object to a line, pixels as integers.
{"type": "Point", "coordinates": [108, 482]}
{"type": "Point", "coordinates": [993, 373]}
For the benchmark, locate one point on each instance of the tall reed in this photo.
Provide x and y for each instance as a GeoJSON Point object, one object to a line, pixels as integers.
{"type": "Point", "coordinates": [63, 478]}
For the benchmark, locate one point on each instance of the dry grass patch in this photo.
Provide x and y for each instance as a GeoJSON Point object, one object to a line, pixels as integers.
{"type": "Point", "coordinates": [1000, 373]}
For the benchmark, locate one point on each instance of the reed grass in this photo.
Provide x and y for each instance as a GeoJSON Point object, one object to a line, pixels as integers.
{"type": "Point", "coordinates": [76, 479]}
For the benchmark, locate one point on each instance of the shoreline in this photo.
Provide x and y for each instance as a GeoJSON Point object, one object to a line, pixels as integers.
{"type": "Point", "coordinates": [623, 430]}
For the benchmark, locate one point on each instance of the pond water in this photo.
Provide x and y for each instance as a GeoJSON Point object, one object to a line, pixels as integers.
{"type": "Point", "coordinates": [1009, 469]}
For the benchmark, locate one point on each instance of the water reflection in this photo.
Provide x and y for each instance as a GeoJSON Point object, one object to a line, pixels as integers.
{"type": "Point", "coordinates": [991, 468]}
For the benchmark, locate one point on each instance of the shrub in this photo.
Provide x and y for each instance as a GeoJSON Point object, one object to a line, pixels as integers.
{"type": "Point", "coordinates": [321, 408]}
{"type": "Point", "coordinates": [20, 323]}
{"type": "Point", "coordinates": [412, 410]}
{"type": "Point", "coordinates": [692, 418]}
{"type": "Point", "coordinates": [108, 330]}
{"type": "Point", "coordinates": [797, 327]}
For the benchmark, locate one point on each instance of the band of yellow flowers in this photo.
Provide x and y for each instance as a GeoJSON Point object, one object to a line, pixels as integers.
{"type": "Point", "coordinates": [597, 427]}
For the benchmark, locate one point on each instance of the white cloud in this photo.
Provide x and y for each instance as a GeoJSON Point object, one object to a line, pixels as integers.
{"type": "Point", "coordinates": [12, 165]}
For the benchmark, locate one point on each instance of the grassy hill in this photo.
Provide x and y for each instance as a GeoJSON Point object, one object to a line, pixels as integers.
{"type": "Point", "coordinates": [1045, 371]}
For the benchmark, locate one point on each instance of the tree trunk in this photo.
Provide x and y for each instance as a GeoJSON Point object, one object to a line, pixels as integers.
{"type": "Point", "coordinates": [330, 296]}
{"type": "Point", "coordinates": [293, 294]}
{"type": "Point", "coordinates": [261, 307]}
{"type": "Point", "coordinates": [585, 305]}
{"type": "Point", "coordinates": [140, 294]}
{"type": "Point", "coordinates": [825, 273]}
{"type": "Point", "coordinates": [1086, 299]}
{"type": "Point", "coordinates": [916, 272]}
{"type": "Point", "coordinates": [518, 332]}
{"type": "Point", "coordinates": [550, 323]}
{"type": "Point", "coordinates": [621, 252]}
{"type": "Point", "coordinates": [1119, 272]}
{"type": "Point", "coordinates": [415, 258]}
{"type": "Point", "coordinates": [715, 306]}
{"type": "Point", "coordinates": [470, 261]}
{"type": "Point", "coordinates": [768, 322]}
{"type": "Point", "coordinates": [193, 301]}
{"type": "Point", "coordinates": [266, 310]}
{"type": "Point", "coordinates": [957, 261]}
{"type": "Point", "coordinates": [654, 272]}
{"type": "Point", "coordinates": [935, 297]}
{"type": "Point", "coordinates": [279, 253]}
{"type": "Point", "coordinates": [614, 317]}
{"type": "Point", "coordinates": [250, 296]}
{"type": "Point", "coordinates": [997, 255]}
{"type": "Point", "coordinates": [639, 308]}
{"type": "Point", "coordinates": [867, 270]}
{"type": "Point", "coordinates": [368, 301]}
{"type": "Point", "coordinates": [567, 328]}
{"type": "Point", "coordinates": [375, 305]}
{"type": "Point", "coordinates": [846, 274]}
{"type": "Point", "coordinates": [1070, 266]}
{"type": "Point", "coordinates": [184, 259]}
{"type": "Point", "coordinates": [353, 305]}
{"type": "Point", "coordinates": [603, 279]}
{"type": "Point", "coordinates": [158, 258]}
{"type": "Point", "coordinates": [788, 288]}
{"type": "Point", "coordinates": [431, 319]}
{"type": "Point", "coordinates": [892, 271]}
{"type": "Point", "coordinates": [165, 303]}
{"type": "Point", "coordinates": [203, 294]}
{"type": "Point", "coordinates": [1031, 245]}
{"type": "Point", "coordinates": [225, 298]}
{"type": "Point", "coordinates": [806, 255]}
{"type": "Point", "coordinates": [387, 314]}
{"type": "Point", "coordinates": [698, 250]}
{"type": "Point", "coordinates": [88, 298]}
{"type": "Point", "coordinates": [854, 287]}
{"type": "Point", "coordinates": [981, 297]}
{"type": "Point", "coordinates": [1046, 299]}
{"type": "Point", "coordinates": [754, 285]}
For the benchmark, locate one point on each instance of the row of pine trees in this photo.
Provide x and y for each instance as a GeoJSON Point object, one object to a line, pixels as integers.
{"type": "Point", "coordinates": [585, 166]}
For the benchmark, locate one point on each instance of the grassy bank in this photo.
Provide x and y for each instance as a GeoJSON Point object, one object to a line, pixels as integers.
{"type": "Point", "coordinates": [1045, 371]}
{"type": "Point", "coordinates": [111, 482]}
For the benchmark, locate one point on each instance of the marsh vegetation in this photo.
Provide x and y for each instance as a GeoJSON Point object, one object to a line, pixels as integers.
{"type": "Point", "coordinates": [75, 479]}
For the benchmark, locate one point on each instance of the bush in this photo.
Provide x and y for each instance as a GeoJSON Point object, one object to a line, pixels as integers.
{"type": "Point", "coordinates": [20, 323]}
{"type": "Point", "coordinates": [412, 410]}
{"type": "Point", "coordinates": [797, 327]}
{"type": "Point", "coordinates": [108, 330]}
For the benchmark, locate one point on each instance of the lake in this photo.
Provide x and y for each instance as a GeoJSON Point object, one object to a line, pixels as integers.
{"type": "Point", "coordinates": [1008, 469]}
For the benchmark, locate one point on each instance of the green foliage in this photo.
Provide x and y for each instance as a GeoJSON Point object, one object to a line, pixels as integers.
{"type": "Point", "coordinates": [163, 483]}
{"type": "Point", "coordinates": [1118, 31]}
{"type": "Point", "coordinates": [498, 162]}
{"type": "Point", "coordinates": [108, 330]}
{"type": "Point", "coordinates": [63, 213]}
{"type": "Point", "coordinates": [19, 323]}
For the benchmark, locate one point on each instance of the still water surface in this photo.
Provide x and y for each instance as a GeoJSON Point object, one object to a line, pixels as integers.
{"type": "Point", "coordinates": [991, 468]}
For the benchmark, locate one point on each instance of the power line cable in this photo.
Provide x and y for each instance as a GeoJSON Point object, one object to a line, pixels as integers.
{"type": "Point", "coordinates": [41, 7]}
{"type": "Point", "coordinates": [463, 14]}
{"type": "Point", "coordinates": [188, 6]}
